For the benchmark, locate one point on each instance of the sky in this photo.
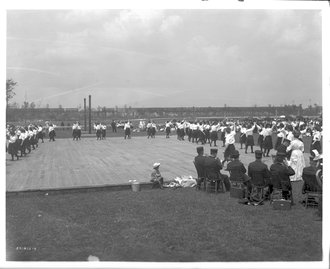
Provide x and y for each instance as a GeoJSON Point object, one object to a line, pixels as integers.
{"type": "Point", "coordinates": [165, 57]}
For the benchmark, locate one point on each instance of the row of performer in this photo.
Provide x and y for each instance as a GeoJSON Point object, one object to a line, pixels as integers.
{"type": "Point", "coordinates": [21, 139]}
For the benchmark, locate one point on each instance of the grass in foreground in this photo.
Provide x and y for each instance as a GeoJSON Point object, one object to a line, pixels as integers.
{"type": "Point", "coordinates": [158, 225]}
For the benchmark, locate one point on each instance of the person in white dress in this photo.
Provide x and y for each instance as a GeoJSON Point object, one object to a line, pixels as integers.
{"type": "Point", "coordinates": [297, 160]}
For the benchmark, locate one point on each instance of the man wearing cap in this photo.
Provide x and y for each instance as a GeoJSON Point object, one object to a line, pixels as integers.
{"type": "Point", "coordinates": [281, 171]}
{"type": "Point", "coordinates": [258, 171]}
{"type": "Point", "coordinates": [213, 166]}
{"type": "Point", "coordinates": [200, 164]}
{"type": "Point", "coordinates": [156, 177]}
{"type": "Point", "coordinates": [237, 171]}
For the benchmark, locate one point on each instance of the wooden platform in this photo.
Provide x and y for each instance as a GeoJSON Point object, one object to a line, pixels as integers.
{"type": "Point", "coordinates": [65, 163]}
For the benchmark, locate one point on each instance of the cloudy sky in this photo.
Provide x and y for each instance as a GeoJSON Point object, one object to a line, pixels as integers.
{"type": "Point", "coordinates": [163, 58]}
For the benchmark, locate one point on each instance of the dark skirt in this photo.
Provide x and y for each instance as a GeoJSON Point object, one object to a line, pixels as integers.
{"type": "Point", "coordinates": [223, 136]}
{"type": "Point", "coordinates": [229, 151]}
{"type": "Point", "coordinates": [12, 148]}
{"type": "Point", "coordinates": [168, 130]}
{"type": "Point", "coordinates": [278, 142]}
{"type": "Point", "coordinates": [52, 134]}
{"type": "Point", "coordinates": [249, 140]}
{"type": "Point", "coordinates": [260, 140]}
{"type": "Point", "coordinates": [207, 134]}
{"type": "Point", "coordinates": [127, 131]}
{"type": "Point", "coordinates": [214, 135]}
{"type": "Point", "coordinates": [268, 142]}
{"type": "Point", "coordinates": [35, 139]}
{"type": "Point", "coordinates": [98, 133]}
{"type": "Point", "coordinates": [242, 138]}
{"type": "Point", "coordinates": [26, 143]}
{"type": "Point", "coordinates": [19, 144]}
{"type": "Point", "coordinates": [195, 133]}
{"type": "Point", "coordinates": [40, 135]}
{"type": "Point", "coordinates": [153, 131]}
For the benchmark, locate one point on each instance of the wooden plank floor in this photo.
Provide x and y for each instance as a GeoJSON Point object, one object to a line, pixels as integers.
{"type": "Point", "coordinates": [66, 163]}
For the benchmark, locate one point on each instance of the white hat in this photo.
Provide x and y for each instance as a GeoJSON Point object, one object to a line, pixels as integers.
{"type": "Point", "coordinates": [156, 165]}
{"type": "Point", "coordinates": [318, 156]}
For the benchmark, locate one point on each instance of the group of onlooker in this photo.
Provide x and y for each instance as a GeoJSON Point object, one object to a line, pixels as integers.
{"type": "Point", "coordinates": [279, 175]}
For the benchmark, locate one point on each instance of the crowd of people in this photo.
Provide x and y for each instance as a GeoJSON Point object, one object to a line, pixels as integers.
{"type": "Point", "coordinates": [288, 161]}
{"type": "Point", "coordinates": [21, 140]}
{"type": "Point", "coordinates": [289, 136]}
{"type": "Point", "coordinates": [279, 175]}
{"type": "Point", "coordinates": [100, 130]}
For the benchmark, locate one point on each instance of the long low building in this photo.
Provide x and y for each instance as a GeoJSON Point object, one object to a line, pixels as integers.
{"type": "Point", "coordinates": [105, 114]}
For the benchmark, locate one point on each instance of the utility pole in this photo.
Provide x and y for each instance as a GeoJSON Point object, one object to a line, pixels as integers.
{"type": "Point", "coordinates": [90, 114]}
{"type": "Point", "coordinates": [85, 115]}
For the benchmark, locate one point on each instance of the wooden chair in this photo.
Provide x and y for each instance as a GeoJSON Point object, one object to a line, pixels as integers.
{"type": "Point", "coordinates": [214, 184]}
{"type": "Point", "coordinates": [201, 178]}
{"type": "Point", "coordinates": [278, 187]}
{"type": "Point", "coordinates": [312, 190]}
{"type": "Point", "coordinates": [259, 184]}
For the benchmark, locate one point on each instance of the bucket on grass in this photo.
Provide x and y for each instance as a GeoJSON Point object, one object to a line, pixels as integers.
{"type": "Point", "coordinates": [135, 186]}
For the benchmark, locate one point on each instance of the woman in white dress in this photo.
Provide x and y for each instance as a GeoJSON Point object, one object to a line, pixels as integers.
{"type": "Point", "coordinates": [297, 160]}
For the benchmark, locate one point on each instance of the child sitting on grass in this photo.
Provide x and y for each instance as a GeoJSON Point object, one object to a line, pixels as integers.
{"type": "Point", "coordinates": [156, 177]}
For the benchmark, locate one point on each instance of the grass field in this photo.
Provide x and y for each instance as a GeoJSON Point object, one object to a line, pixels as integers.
{"type": "Point", "coordinates": [158, 225]}
{"type": "Point", "coordinates": [151, 225]}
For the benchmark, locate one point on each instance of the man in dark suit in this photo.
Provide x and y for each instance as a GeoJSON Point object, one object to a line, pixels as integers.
{"type": "Point", "coordinates": [213, 166]}
{"type": "Point", "coordinates": [237, 171]}
{"type": "Point", "coordinates": [200, 165]}
{"type": "Point", "coordinates": [280, 175]}
{"type": "Point", "coordinates": [258, 171]}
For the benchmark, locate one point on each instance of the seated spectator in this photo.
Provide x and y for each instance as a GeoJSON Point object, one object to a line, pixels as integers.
{"type": "Point", "coordinates": [258, 171]}
{"type": "Point", "coordinates": [200, 164]}
{"type": "Point", "coordinates": [309, 177]}
{"type": "Point", "coordinates": [280, 175]}
{"type": "Point", "coordinates": [213, 166]}
{"type": "Point", "coordinates": [237, 171]}
{"type": "Point", "coordinates": [156, 177]}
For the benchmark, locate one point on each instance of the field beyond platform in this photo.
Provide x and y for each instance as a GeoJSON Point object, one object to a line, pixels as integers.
{"type": "Point", "coordinates": [86, 163]}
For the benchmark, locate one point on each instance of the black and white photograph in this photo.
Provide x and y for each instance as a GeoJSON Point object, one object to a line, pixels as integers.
{"type": "Point", "coordinates": [172, 135]}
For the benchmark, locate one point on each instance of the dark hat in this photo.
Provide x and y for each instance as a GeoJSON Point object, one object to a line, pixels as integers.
{"type": "Point", "coordinates": [214, 150]}
{"type": "Point", "coordinates": [258, 153]}
{"type": "Point", "coordinates": [286, 140]}
{"type": "Point", "coordinates": [281, 154]}
{"type": "Point", "coordinates": [200, 149]}
{"type": "Point", "coordinates": [235, 154]}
